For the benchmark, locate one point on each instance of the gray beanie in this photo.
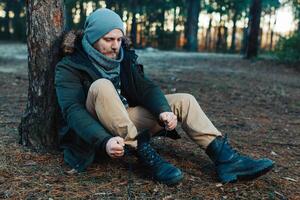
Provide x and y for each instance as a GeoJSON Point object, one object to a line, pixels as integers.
{"type": "Point", "coordinates": [100, 22]}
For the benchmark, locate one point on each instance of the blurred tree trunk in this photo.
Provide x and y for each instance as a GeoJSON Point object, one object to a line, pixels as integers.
{"type": "Point", "coordinates": [82, 15]}
{"type": "Point", "coordinates": [192, 25]}
{"type": "Point", "coordinates": [161, 18]}
{"type": "Point", "coordinates": [219, 36]}
{"type": "Point", "coordinates": [133, 30]}
{"type": "Point", "coordinates": [18, 22]}
{"type": "Point", "coordinates": [244, 40]}
{"type": "Point", "coordinates": [8, 7]}
{"type": "Point", "coordinates": [268, 33]}
{"type": "Point", "coordinates": [38, 127]}
{"type": "Point", "coordinates": [233, 34]}
{"type": "Point", "coordinates": [272, 33]}
{"type": "Point", "coordinates": [253, 29]}
{"type": "Point", "coordinates": [69, 5]}
{"type": "Point", "coordinates": [109, 4]}
{"type": "Point", "coordinates": [208, 34]}
{"type": "Point", "coordinates": [175, 20]}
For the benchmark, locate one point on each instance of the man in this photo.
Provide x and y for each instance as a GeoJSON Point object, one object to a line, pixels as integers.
{"type": "Point", "coordinates": [108, 105]}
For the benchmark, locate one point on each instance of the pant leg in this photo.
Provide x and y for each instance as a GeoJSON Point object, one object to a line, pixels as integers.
{"type": "Point", "coordinates": [104, 103]}
{"type": "Point", "coordinates": [193, 120]}
{"type": "Point", "coordinates": [143, 119]}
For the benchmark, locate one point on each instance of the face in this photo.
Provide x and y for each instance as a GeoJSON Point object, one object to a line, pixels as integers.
{"type": "Point", "coordinates": [109, 45]}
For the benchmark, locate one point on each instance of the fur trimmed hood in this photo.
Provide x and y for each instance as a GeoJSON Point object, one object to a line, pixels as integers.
{"type": "Point", "coordinates": [72, 37]}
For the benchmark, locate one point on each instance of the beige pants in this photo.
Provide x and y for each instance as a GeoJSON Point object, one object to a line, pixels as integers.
{"type": "Point", "coordinates": [103, 102]}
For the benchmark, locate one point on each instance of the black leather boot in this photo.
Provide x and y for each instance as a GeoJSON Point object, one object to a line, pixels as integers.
{"type": "Point", "coordinates": [231, 166]}
{"type": "Point", "coordinates": [160, 170]}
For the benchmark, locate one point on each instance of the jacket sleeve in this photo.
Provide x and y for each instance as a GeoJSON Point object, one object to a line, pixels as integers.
{"type": "Point", "coordinates": [71, 99]}
{"type": "Point", "coordinates": [150, 95]}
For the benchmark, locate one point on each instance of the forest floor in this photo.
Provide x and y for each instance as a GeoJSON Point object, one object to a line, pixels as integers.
{"type": "Point", "coordinates": [257, 103]}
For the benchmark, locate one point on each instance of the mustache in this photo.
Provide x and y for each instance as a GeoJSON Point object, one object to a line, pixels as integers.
{"type": "Point", "coordinates": [113, 51]}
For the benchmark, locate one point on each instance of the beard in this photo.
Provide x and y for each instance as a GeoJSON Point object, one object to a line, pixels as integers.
{"type": "Point", "coordinates": [113, 54]}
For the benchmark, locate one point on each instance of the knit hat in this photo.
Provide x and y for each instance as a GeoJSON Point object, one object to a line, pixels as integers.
{"type": "Point", "coordinates": [100, 22]}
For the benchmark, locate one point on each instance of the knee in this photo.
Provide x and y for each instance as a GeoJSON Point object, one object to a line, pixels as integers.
{"type": "Point", "coordinates": [188, 98]}
{"type": "Point", "coordinates": [101, 84]}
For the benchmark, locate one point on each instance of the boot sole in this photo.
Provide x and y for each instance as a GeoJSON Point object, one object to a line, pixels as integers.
{"type": "Point", "coordinates": [232, 178]}
{"type": "Point", "coordinates": [173, 181]}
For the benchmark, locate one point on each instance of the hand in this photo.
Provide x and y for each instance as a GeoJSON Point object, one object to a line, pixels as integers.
{"type": "Point", "coordinates": [115, 147]}
{"type": "Point", "coordinates": [169, 119]}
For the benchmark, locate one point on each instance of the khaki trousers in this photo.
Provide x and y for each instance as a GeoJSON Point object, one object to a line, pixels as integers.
{"type": "Point", "coordinates": [104, 103]}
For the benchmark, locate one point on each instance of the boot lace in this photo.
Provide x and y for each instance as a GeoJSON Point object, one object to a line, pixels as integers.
{"type": "Point", "coordinates": [148, 155]}
{"type": "Point", "coordinates": [225, 141]}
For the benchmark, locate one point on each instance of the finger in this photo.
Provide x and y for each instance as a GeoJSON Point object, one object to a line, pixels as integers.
{"type": "Point", "coordinates": [116, 155]}
{"type": "Point", "coordinates": [117, 148]}
{"type": "Point", "coordinates": [166, 117]}
{"type": "Point", "coordinates": [172, 125]}
{"type": "Point", "coordinates": [120, 141]}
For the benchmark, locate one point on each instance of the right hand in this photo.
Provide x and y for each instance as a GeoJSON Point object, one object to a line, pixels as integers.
{"type": "Point", "coordinates": [115, 147]}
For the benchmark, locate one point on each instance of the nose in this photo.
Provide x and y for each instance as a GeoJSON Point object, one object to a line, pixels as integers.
{"type": "Point", "coordinates": [115, 45]}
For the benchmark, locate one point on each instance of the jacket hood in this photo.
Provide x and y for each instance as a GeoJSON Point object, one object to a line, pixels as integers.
{"type": "Point", "coordinates": [71, 40]}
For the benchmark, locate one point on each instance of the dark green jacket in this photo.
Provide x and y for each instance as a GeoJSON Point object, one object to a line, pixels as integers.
{"type": "Point", "coordinates": [82, 137]}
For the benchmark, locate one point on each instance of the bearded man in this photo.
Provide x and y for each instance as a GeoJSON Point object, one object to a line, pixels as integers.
{"type": "Point", "coordinates": [109, 106]}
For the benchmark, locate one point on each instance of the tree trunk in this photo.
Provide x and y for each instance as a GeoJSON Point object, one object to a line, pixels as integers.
{"type": "Point", "coordinates": [253, 34]}
{"type": "Point", "coordinates": [192, 25]}
{"type": "Point", "coordinates": [18, 22]}
{"type": "Point", "coordinates": [208, 34]}
{"type": "Point", "coordinates": [219, 35]}
{"type": "Point", "coordinates": [8, 8]}
{"type": "Point", "coordinates": [45, 24]}
{"type": "Point", "coordinates": [175, 21]}
{"type": "Point", "coordinates": [82, 15]}
{"type": "Point", "coordinates": [233, 35]}
{"type": "Point", "coordinates": [268, 32]}
{"type": "Point", "coordinates": [69, 15]}
{"type": "Point", "coordinates": [134, 24]}
{"type": "Point", "coordinates": [272, 36]}
{"type": "Point", "coordinates": [109, 3]}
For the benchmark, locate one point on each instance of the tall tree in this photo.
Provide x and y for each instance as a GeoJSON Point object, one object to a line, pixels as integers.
{"type": "Point", "coordinates": [8, 8]}
{"type": "Point", "coordinates": [45, 25]}
{"type": "Point", "coordinates": [133, 30]}
{"type": "Point", "coordinates": [18, 21]}
{"type": "Point", "coordinates": [253, 29]}
{"type": "Point", "coordinates": [82, 14]}
{"type": "Point", "coordinates": [69, 6]}
{"type": "Point", "coordinates": [192, 25]}
{"type": "Point", "coordinates": [296, 8]}
{"type": "Point", "coordinates": [236, 8]}
{"type": "Point", "coordinates": [269, 8]}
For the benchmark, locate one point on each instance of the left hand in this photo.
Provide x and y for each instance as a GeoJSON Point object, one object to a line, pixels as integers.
{"type": "Point", "coordinates": [169, 119]}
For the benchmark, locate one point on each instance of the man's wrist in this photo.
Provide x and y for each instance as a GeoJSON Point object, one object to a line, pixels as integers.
{"type": "Point", "coordinates": [102, 146]}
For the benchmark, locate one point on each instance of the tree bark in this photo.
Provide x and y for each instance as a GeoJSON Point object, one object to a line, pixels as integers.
{"type": "Point", "coordinates": [192, 25]}
{"type": "Point", "coordinates": [45, 25]}
{"type": "Point", "coordinates": [253, 34]}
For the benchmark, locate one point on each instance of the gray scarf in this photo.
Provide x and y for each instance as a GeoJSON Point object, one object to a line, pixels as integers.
{"type": "Point", "coordinates": [107, 67]}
